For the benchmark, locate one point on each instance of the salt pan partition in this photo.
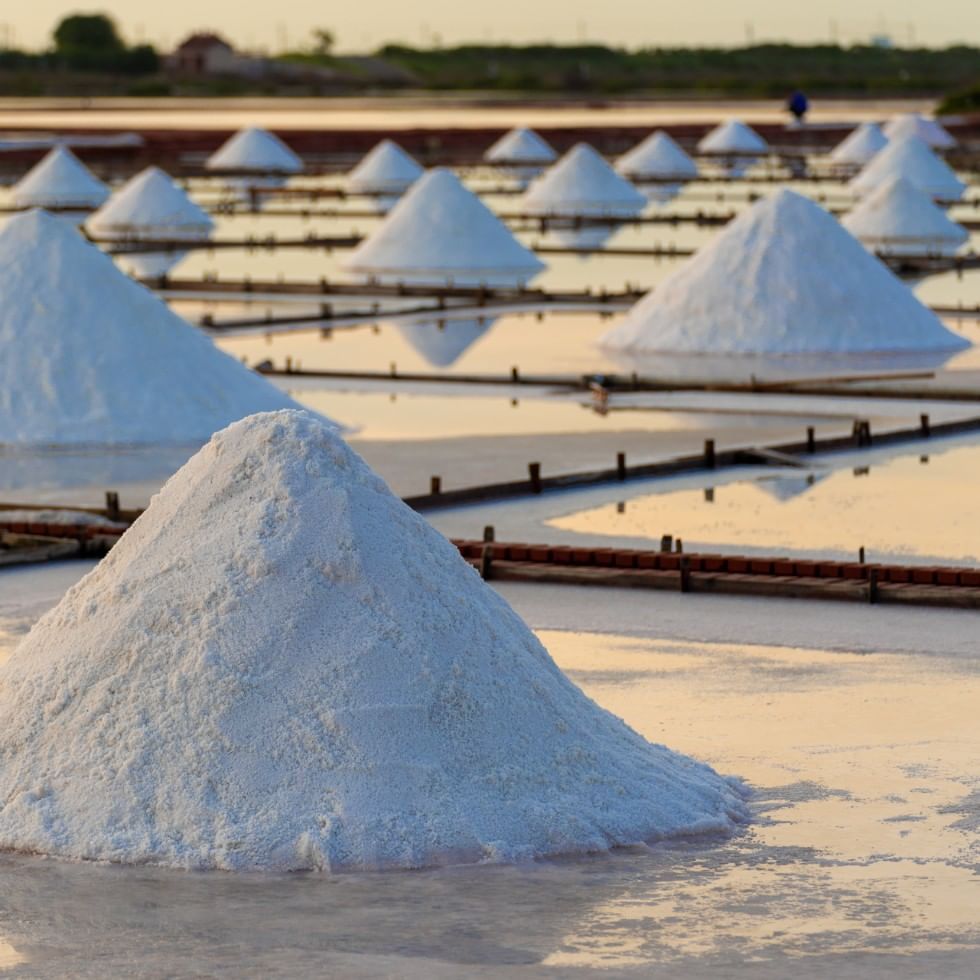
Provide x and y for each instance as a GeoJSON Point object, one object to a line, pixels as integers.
{"type": "Point", "coordinates": [89, 357]}
{"type": "Point", "coordinates": [334, 688]}
{"type": "Point", "coordinates": [783, 278]}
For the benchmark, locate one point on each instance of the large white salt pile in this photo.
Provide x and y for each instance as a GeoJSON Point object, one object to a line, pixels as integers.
{"type": "Point", "coordinates": [658, 158]}
{"type": "Point", "coordinates": [899, 219]}
{"type": "Point", "coordinates": [522, 153]}
{"type": "Point", "coordinates": [60, 181]}
{"type": "Point", "coordinates": [441, 231]}
{"type": "Point", "coordinates": [736, 146]}
{"type": "Point", "coordinates": [333, 688]}
{"type": "Point", "coordinates": [783, 278]}
{"type": "Point", "coordinates": [89, 356]}
{"type": "Point", "coordinates": [386, 171]}
{"type": "Point", "coordinates": [859, 146]}
{"type": "Point", "coordinates": [911, 158]}
{"type": "Point", "coordinates": [928, 130]}
{"type": "Point", "coordinates": [257, 151]}
{"type": "Point", "coordinates": [150, 207]}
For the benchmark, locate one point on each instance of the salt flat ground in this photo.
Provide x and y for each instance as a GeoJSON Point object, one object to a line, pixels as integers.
{"type": "Point", "coordinates": [856, 728]}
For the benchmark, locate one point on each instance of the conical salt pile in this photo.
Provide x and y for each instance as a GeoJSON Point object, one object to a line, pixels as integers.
{"type": "Point", "coordinates": [151, 207]}
{"type": "Point", "coordinates": [387, 168]}
{"type": "Point", "coordinates": [783, 278]}
{"type": "Point", "coordinates": [911, 158]}
{"type": "Point", "coordinates": [732, 136]}
{"type": "Point", "coordinates": [658, 158]}
{"type": "Point", "coordinates": [929, 131]}
{"type": "Point", "coordinates": [899, 219]}
{"type": "Point", "coordinates": [89, 356]}
{"type": "Point", "coordinates": [582, 183]}
{"type": "Point", "coordinates": [520, 146]}
{"type": "Point", "coordinates": [440, 231]}
{"type": "Point", "coordinates": [859, 146]}
{"type": "Point", "coordinates": [255, 150]}
{"type": "Point", "coordinates": [60, 180]}
{"type": "Point", "coordinates": [332, 688]}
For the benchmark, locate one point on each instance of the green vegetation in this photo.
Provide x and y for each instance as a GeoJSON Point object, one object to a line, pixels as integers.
{"type": "Point", "coordinates": [967, 100]}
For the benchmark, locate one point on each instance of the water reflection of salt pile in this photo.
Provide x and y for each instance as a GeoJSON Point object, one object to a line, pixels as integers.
{"type": "Point", "coordinates": [658, 158]}
{"type": "Point", "coordinates": [734, 146]}
{"type": "Point", "coordinates": [443, 342]}
{"type": "Point", "coordinates": [60, 181]}
{"type": "Point", "coordinates": [385, 172]}
{"type": "Point", "coordinates": [335, 688]}
{"type": "Point", "coordinates": [911, 158]}
{"type": "Point", "coordinates": [150, 207]}
{"type": "Point", "coordinates": [258, 158]}
{"type": "Point", "coordinates": [582, 185]}
{"type": "Point", "coordinates": [521, 154]}
{"type": "Point", "coordinates": [928, 130]}
{"type": "Point", "coordinates": [783, 278]}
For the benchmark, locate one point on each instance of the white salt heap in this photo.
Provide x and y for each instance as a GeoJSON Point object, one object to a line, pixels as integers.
{"type": "Point", "coordinates": [150, 207]}
{"type": "Point", "coordinates": [89, 356]}
{"type": "Point", "coordinates": [658, 158]}
{"type": "Point", "coordinates": [899, 219]}
{"type": "Point", "coordinates": [332, 688]}
{"type": "Point", "coordinates": [520, 146]}
{"type": "Point", "coordinates": [60, 180]}
{"type": "Point", "coordinates": [255, 150]}
{"type": "Point", "coordinates": [911, 158]}
{"type": "Point", "coordinates": [783, 278]}
{"type": "Point", "coordinates": [736, 146]}
{"type": "Point", "coordinates": [441, 231]}
{"type": "Point", "coordinates": [859, 146]}
{"type": "Point", "coordinates": [928, 130]}
{"type": "Point", "coordinates": [387, 168]}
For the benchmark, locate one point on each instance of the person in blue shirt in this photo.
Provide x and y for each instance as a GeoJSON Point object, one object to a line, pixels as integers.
{"type": "Point", "coordinates": [797, 104]}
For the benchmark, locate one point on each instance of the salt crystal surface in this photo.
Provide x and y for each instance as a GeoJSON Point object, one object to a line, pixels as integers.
{"type": "Point", "coordinates": [898, 218]}
{"type": "Point", "coordinates": [913, 124]}
{"type": "Point", "coordinates": [911, 158]}
{"type": "Point", "coordinates": [60, 180]}
{"type": "Point", "coordinates": [329, 687]}
{"type": "Point", "coordinates": [257, 150]}
{"type": "Point", "coordinates": [783, 278]}
{"type": "Point", "coordinates": [89, 356]}
{"type": "Point", "coordinates": [440, 230]}
{"type": "Point", "coordinates": [520, 146]}
{"type": "Point", "coordinates": [386, 168]}
{"type": "Point", "coordinates": [859, 146]}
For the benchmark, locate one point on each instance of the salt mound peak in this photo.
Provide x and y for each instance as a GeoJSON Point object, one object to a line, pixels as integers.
{"type": "Point", "coordinates": [582, 183]}
{"type": "Point", "coordinates": [333, 688]}
{"type": "Point", "coordinates": [150, 203]}
{"type": "Point", "coordinates": [928, 130]}
{"type": "Point", "coordinates": [520, 146]}
{"type": "Point", "coordinates": [59, 180]}
{"type": "Point", "coordinates": [783, 278]}
{"type": "Point", "coordinates": [859, 146]}
{"type": "Point", "coordinates": [441, 230]}
{"type": "Point", "coordinates": [910, 157]}
{"type": "Point", "coordinates": [658, 156]}
{"type": "Point", "coordinates": [733, 136]}
{"type": "Point", "coordinates": [386, 168]}
{"type": "Point", "coordinates": [90, 357]}
{"type": "Point", "coordinates": [897, 217]}
{"type": "Point", "coordinates": [255, 149]}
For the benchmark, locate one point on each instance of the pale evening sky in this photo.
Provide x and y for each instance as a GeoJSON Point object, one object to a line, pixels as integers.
{"type": "Point", "coordinates": [365, 24]}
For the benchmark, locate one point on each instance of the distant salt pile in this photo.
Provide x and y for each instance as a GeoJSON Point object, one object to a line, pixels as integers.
{"type": "Point", "coordinates": [60, 181]}
{"type": "Point", "coordinates": [859, 146]}
{"type": "Point", "coordinates": [334, 688]}
{"type": "Point", "coordinates": [150, 207]}
{"type": "Point", "coordinates": [735, 146]}
{"type": "Point", "coordinates": [582, 184]}
{"type": "Point", "coordinates": [660, 161]}
{"type": "Point", "coordinates": [928, 130]}
{"type": "Point", "coordinates": [90, 357]}
{"type": "Point", "coordinates": [783, 278]}
{"type": "Point", "coordinates": [909, 157]}
{"type": "Point", "coordinates": [522, 153]}
{"type": "Point", "coordinates": [899, 219]}
{"type": "Point", "coordinates": [387, 171]}
{"type": "Point", "coordinates": [440, 231]}
{"type": "Point", "coordinates": [255, 151]}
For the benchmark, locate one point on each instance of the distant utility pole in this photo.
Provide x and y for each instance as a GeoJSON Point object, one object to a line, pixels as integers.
{"type": "Point", "coordinates": [833, 31]}
{"type": "Point", "coordinates": [749, 32]}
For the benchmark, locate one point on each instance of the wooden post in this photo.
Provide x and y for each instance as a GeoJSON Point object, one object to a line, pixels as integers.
{"type": "Point", "coordinates": [514, 374]}
{"type": "Point", "coordinates": [709, 495]}
{"type": "Point", "coordinates": [435, 485]}
{"type": "Point", "coordinates": [872, 585]}
{"type": "Point", "coordinates": [811, 439]}
{"type": "Point", "coordinates": [486, 561]}
{"type": "Point", "coordinates": [112, 505]}
{"type": "Point", "coordinates": [621, 466]}
{"type": "Point", "coordinates": [289, 365]}
{"type": "Point", "coordinates": [709, 453]}
{"type": "Point", "coordinates": [861, 555]}
{"type": "Point", "coordinates": [679, 547]}
{"type": "Point", "coordinates": [925, 426]}
{"type": "Point", "coordinates": [667, 542]}
{"type": "Point", "coordinates": [489, 533]}
{"type": "Point", "coordinates": [534, 471]}
{"type": "Point", "coordinates": [685, 574]}
{"type": "Point", "coordinates": [394, 369]}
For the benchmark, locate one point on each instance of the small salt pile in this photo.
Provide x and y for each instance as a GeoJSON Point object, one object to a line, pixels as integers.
{"type": "Point", "coordinates": [658, 159]}
{"type": "Point", "coordinates": [928, 130]}
{"type": "Point", "coordinates": [522, 154]}
{"type": "Point", "coordinates": [582, 184]}
{"type": "Point", "coordinates": [735, 146]}
{"type": "Point", "coordinates": [90, 357]}
{"type": "Point", "coordinates": [783, 278]}
{"type": "Point", "coordinates": [150, 207]}
{"type": "Point", "coordinates": [858, 147]}
{"type": "Point", "coordinates": [332, 689]}
{"type": "Point", "coordinates": [255, 151]}
{"type": "Point", "coordinates": [911, 158]}
{"type": "Point", "coordinates": [59, 181]}
{"type": "Point", "coordinates": [386, 172]}
{"type": "Point", "coordinates": [899, 219]}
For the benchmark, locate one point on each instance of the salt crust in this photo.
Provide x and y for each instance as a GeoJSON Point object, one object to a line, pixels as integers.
{"type": "Point", "coordinates": [59, 180]}
{"type": "Point", "coordinates": [283, 667]}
